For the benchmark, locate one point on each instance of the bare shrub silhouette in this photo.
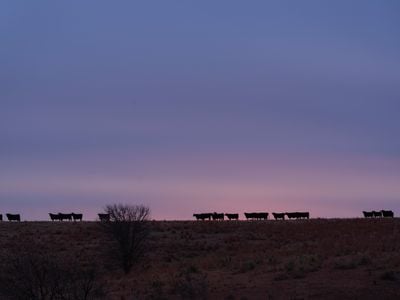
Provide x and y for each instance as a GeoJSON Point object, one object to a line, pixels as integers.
{"type": "Point", "coordinates": [129, 227]}
{"type": "Point", "coordinates": [40, 276]}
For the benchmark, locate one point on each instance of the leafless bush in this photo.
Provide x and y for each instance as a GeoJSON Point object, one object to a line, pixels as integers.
{"type": "Point", "coordinates": [350, 262]}
{"type": "Point", "coordinates": [129, 227]}
{"type": "Point", "coordinates": [39, 276]}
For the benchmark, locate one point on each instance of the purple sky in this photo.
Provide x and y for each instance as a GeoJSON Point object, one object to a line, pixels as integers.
{"type": "Point", "coordinates": [188, 107]}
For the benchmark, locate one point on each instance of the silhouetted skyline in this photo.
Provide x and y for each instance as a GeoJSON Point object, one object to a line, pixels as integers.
{"type": "Point", "coordinates": [210, 106]}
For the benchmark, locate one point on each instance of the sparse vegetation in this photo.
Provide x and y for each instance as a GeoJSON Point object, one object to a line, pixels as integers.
{"type": "Point", "coordinates": [157, 290]}
{"type": "Point", "coordinates": [128, 226]}
{"type": "Point", "coordinates": [288, 260]}
{"type": "Point", "coordinates": [389, 275]}
{"type": "Point", "coordinates": [349, 262]}
{"type": "Point", "coordinates": [190, 283]}
{"type": "Point", "coordinates": [247, 266]}
{"type": "Point", "coordinates": [42, 276]}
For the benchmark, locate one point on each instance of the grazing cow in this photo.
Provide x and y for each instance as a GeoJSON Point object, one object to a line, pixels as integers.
{"type": "Point", "coordinates": [65, 217]}
{"type": "Point", "coordinates": [77, 217]}
{"type": "Point", "coordinates": [13, 217]}
{"type": "Point", "coordinates": [387, 213]}
{"type": "Point", "coordinates": [279, 216]}
{"type": "Point", "coordinates": [232, 216]}
{"type": "Point", "coordinates": [104, 217]}
{"type": "Point", "coordinates": [368, 214]}
{"type": "Point", "coordinates": [54, 217]}
{"type": "Point", "coordinates": [203, 216]}
{"type": "Point", "coordinates": [217, 216]}
{"type": "Point", "coordinates": [377, 214]}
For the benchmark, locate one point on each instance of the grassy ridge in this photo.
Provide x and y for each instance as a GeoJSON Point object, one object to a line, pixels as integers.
{"type": "Point", "coordinates": [311, 259]}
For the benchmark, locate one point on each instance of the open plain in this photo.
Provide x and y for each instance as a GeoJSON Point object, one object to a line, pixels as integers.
{"type": "Point", "coordinates": [302, 259]}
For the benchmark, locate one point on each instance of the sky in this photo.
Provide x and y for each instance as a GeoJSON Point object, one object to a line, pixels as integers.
{"type": "Point", "coordinates": [199, 106]}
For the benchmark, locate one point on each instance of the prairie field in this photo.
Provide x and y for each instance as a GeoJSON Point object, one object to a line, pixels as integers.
{"type": "Point", "coordinates": [302, 259]}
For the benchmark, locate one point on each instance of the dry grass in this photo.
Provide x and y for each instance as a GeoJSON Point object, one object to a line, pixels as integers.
{"type": "Point", "coordinates": [308, 259]}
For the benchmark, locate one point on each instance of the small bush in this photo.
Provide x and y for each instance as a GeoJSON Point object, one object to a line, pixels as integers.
{"type": "Point", "coordinates": [389, 275]}
{"type": "Point", "coordinates": [281, 276]}
{"type": "Point", "coordinates": [289, 266]}
{"type": "Point", "coordinates": [157, 290]}
{"type": "Point", "coordinates": [300, 266]}
{"type": "Point", "coordinates": [129, 227]}
{"type": "Point", "coordinates": [225, 261]}
{"type": "Point", "coordinates": [190, 284]}
{"type": "Point", "coordinates": [350, 262]}
{"type": "Point", "coordinates": [247, 266]}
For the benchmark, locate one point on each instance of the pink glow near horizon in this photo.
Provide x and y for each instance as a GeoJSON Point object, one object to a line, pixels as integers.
{"type": "Point", "coordinates": [334, 193]}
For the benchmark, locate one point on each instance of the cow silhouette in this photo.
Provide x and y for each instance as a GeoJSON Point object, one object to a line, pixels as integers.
{"type": "Point", "coordinates": [387, 213]}
{"type": "Point", "coordinates": [377, 214]}
{"type": "Point", "coordinates": [203, 216]}
{"type": "Point", "coordinates": [368, 214]}
{"type": "Point", "coordinates": [256, 216]}
{"type": "Point", "coordinates": [104, 217]}
{"type": "Point", "coordinates": [304, 215]}
{"type": "Point", "coordinates": [54, 217]}
{"type": "Point", "coordinates": [298, 215]}
{"type": "Point", "coordinates": [279, 216]}
{"type": "Point", "coordinates": [77, 217]}
{"type": "Point", "coordinates": [262, 216]}
{"type": "Point", "coordinates": [217, 216]}
{"type": "Point", "coordinates": [65, 217]}
{"type": "Point", "coordinates": [291, 215]}
{"type": "Point", "coordinates": [13, 217]}
{"type": "Point", "coordinates": [249, 216]}
{"type": "Point", "coordinates": [232, 216]}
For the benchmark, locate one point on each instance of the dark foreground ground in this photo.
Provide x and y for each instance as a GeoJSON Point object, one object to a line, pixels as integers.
{"type": "Point", "coordinates": [307, 259]}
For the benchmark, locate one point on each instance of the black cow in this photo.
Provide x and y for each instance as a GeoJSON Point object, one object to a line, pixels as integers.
{"type": "Point", "coordinates": [217, 216]}
{"type": "Point", "coordinates": [104, 217]}
{"type": "Point", "coordinates": [250, 216]}
{"type": "Point", "coordinates": [256, 216]}
{"type": "Point", "coordinates": [203, 216]}
{"type": "Point", "coordinates": [262, 216]}
{"type": "Point", "coordinates": [279, 216]}
{"type": "Point", "coordinates": [13, 217]}
{"type": "Point", "coordinates": [303, 215]}
{"type": "Point", "coordinates": [65, 217]}
{"type": "Point", "coordinates": [298, 215]}
{"type": "Point", "coordinates": [387, 213]}
{"type": "Point", "coordinates": [77, 217]}
{"type": "Point", "coordinates": [291, 215]}
{"type": "Point", "coordinates": [232, 216]}
{"type": "Point", "coordinates": [368, 214]}
{"type": "Point", "coordinates": [377, 214]}
{"type": "Point", "coordinates": [54, 217]}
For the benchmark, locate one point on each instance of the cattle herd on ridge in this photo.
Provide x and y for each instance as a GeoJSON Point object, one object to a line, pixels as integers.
{"type": "Point", "coordinates": [58, 217]}
{"type": "Point", "coordinates": [252, 216]}
{"type": "Point", "coordinates": [209, 216]}
{"type": "Point", "coordinates": [280, 216]}
{"type": "Point", "coordinates": [378, 214]}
